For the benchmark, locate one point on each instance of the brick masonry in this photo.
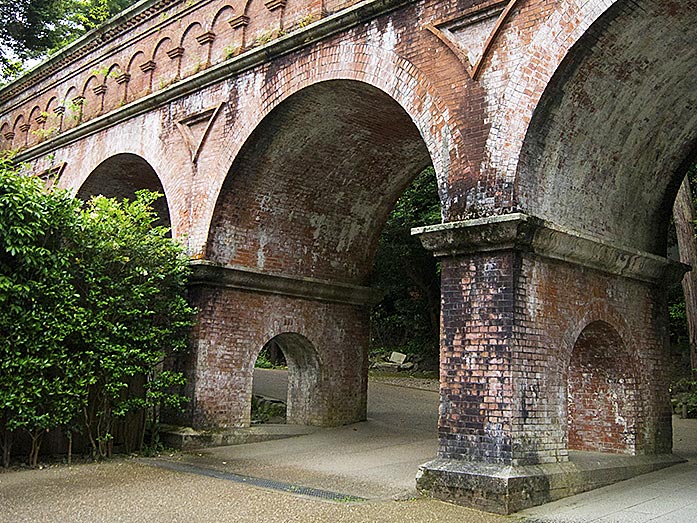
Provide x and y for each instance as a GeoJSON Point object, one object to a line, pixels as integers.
{"type": "Point", "coordinates": [521, 336]}
{"type": "Point", "coordinates": [281, 133]}
{"type": "Point", "coordinates": [325, 345]}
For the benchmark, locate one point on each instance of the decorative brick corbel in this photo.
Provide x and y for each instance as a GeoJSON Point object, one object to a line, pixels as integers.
{"type": "Point", "coordinates": [9, 136]}
{"type": "Point", "coordinates": [41, 119]}
{"type": "Point", "coordinates": [123, 78]}
{"type": "Point", "coordinates": [205, 38]}
{"type": "Point", "coordinates": [272, 5]}
{"type": "Point", "coordinates": [24, 127]}
{"type": "Point", "coordinates": [147, 66]}
{"type": "Point", "coordinates": [59, 110]}
{"type": "Point", "coordinates": [175, 53]}
{"type": "Point", "coordinates": [99, 89]}
{"type": "Point", "coordinates": [239, 21]}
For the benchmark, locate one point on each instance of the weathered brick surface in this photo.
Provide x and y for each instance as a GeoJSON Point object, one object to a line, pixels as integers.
{"type": "Point", "coordinates": [522, 335]}
{"type": "Point", "coordinates": [603, 392]}
{"type": "Point", "coordinates": [329, 372]}
{"type": "Point", "coordinates": [282, 133]}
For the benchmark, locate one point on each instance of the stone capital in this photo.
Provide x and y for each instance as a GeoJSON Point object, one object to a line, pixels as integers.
{"type": "Point", "coordinates": [206, 273]}
{"type": "Point", "coordinates": [526, 233]}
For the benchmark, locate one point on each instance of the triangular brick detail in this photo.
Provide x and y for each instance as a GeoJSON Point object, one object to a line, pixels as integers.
{"type": "Point", "coordinates": [471, 34]}
{"type": "Point", "coordinates": [196, 127]}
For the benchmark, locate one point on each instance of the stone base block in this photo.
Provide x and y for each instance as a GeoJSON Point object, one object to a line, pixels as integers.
{"type": "Point", "coordinates": [186, 438]}
{"type": "Point", "coordinates": [506, 489]}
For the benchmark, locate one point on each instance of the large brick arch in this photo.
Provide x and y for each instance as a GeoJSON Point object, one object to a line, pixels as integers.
{"type": "Point", "coordinates": [604, 150]}
{"type": "Point", "coordinates": [255, 95]}
{"type": "Point", "coordinates": [309, 192]}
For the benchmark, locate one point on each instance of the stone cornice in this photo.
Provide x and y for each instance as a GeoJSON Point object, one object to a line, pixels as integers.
{"type": "Point", "coordinates": [323, 28]}
{"type": "Point", "coordinates": [530, 234]}
{"type": "Point", "coordinates": [208, 274]}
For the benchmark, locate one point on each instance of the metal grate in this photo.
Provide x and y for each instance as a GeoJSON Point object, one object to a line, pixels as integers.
{"type": "Point", "coordinates": [249, 480]}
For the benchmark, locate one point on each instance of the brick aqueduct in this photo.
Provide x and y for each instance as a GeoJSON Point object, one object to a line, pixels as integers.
{"type": "Point", "coordinates": [282, 132]}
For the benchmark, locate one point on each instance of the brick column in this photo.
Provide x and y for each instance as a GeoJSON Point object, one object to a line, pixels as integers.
{"type": "Point", "coordinates": [517, 292]}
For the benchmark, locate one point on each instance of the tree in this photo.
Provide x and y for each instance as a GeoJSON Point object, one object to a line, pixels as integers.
{"type": "Point", "coordinates": [408, 316]}
{"type": "Point", "coordinates": [92, 301]}
{"type": "Point", "coordinates": [40, 382]}
{"type": "Point", "coordinates": [35, 28]}
{"type": "Point", "coordinates": [684, 218]}
{"type": "Point", "coordinates": [131, 281]}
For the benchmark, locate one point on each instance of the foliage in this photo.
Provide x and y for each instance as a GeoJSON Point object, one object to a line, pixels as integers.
{"type": "Point", "coordinates": [684, 397]}
{"type": "Point", "coordinates": [271, 357]}
{"type": "Point", "coordinates": [34, 28]}
{"type": "Point", "coordinates": [40, 380]}
{"type": "Point", "coordinates": [677, 314]}
{"type": "Point", "coordinates": [263, 362]}
{"type": "Point", "coordinates": [131, 281]}
{"type": "Point", "coordinates": [408, 317]}
{"type": "Point", "coordinates": [265, 410]}
{"type": "Point", "coordinates": [91, 304]}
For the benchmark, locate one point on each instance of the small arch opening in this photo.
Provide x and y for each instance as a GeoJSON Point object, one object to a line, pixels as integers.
{"type": "Point", "coordinates": [120, 177]}
{"type": "Point", "coordinates": [271, 388]}
{"type": "Point", "coordinates": [602, 413]}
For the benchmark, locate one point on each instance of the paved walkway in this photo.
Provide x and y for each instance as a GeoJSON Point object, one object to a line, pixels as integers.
{"type": "Point", "coordinates": [376, 460]}
{"type": "Point", "coordinates": [666, 496]}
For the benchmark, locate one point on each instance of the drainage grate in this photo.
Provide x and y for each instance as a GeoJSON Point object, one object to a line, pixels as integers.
{"type": "Point", "coordinates": [249, 480]}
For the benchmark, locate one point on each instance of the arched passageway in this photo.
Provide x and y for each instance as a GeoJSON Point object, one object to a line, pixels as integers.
{"type": "Point", "coordinates": [120, 176]}
{"type": "Point", "coordinates": [291, 247]}
{"type": "Point", "coordinates": [303, 375]}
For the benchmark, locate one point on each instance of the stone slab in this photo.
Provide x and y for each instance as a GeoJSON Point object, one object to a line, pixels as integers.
{"type": "Point", "coordinates": [187, 438]}
{"type": "Point", "coordinates": [505, 489]}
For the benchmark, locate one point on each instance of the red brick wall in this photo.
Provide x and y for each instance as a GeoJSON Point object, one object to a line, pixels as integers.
{"type": "Point", "coordinates": [510, 322]}
{"type": "Point", "coordinates": [602, 393]}
{"type": "Point", "coordinates": [233, 327]}
{"type": "Point", "coordinates": [476, 382]}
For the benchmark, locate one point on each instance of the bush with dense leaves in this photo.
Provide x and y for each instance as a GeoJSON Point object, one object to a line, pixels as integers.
{"type": "Point", "coordinates": [92, 302]}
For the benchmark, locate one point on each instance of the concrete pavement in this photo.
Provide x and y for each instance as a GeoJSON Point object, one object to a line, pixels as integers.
{"type": "Point", "coordinates": [132, 492]}
{"type": "Point", "coordinates": [666, 496]}
{"type": "Point", "coordinates": [376, 460]}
